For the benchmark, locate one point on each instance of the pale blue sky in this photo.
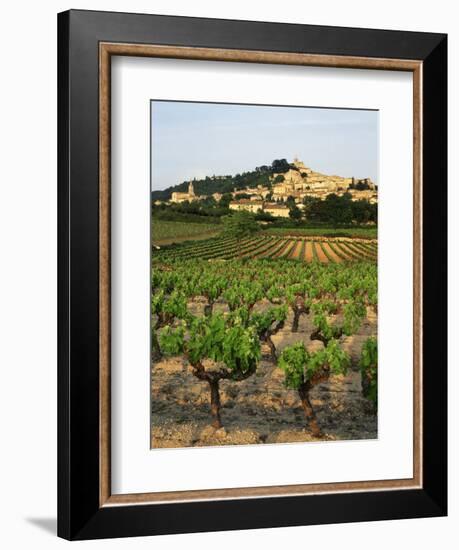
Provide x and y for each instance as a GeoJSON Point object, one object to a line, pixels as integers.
{"type": "Point", "coordinates": [194, 140]}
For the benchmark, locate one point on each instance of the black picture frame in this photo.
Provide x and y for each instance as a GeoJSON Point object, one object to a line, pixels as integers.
{"type": "Point", "coordinates": [80, 515]}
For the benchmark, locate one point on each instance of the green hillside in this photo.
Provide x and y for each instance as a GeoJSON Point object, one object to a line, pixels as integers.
{"type": "Point", "coordinates": [226, 184]}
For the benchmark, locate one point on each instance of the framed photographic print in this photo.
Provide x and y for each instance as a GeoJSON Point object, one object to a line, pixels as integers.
{"type": "Point", "coordinates": [252, 274]}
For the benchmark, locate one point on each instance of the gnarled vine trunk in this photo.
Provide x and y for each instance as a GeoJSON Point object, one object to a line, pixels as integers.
{"type": "Point", "coordinates": [309, 413]}
{"type": "Point", "coordinates": [215, 402]}
{"type": "Point", "coordinates": [213, 379]}
{"type": "Point", "coordinates": [317, 335]}
{"type": "Point", "coordinates": [299, 307]}
{"type": "Point", "coordinates": [266, 337]}
{"type": "Point", "coordinates": [296, 319]}
{"type": "Point", "coordinates": [272, 348]}
{"type": "Point", "coordinates": [156, 354]}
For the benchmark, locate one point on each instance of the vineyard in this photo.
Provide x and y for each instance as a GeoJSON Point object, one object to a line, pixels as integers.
{"type": "Point", "coordinates": [264, 339]}
{"type": "Point", "coordinates": [365, 232]}
{"type": "Point", "coordinates": [304, 249]}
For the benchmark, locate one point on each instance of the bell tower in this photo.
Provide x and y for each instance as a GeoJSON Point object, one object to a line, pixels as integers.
{"type": "Point", "coordinates": [191, 189]}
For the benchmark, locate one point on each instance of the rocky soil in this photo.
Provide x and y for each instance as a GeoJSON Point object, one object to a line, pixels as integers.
{"type": "Point", "coordinates": [260, 409]}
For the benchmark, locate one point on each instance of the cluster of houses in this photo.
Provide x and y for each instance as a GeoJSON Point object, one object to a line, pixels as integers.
{"type": "Point", "coordinates": [279, 210]}
{"type": "Point", "coordinates": [298, 182]}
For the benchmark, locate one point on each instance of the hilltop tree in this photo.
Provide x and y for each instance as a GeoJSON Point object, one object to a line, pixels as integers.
{"type": "Point", "coordinates": [280, 166]}
{"type": "Point", "coordinates": [363, 211]}
{"type": "Point", "coordinates": [295, 213]}
{"type": "Point", "coordinates": [263, 168]}
{"type": "Point", "coordinates": [359, 186]}
{"type": "Point", "coordinates": [262, 216]}
{"type": "Point", "coordinates": [239, 224]}
{"type": "Point", "coordinates": [208, 202]}
{"type": "Point", "coordinates": [225, 199]}
{"type": "Point", "coordinates": [290, 201]}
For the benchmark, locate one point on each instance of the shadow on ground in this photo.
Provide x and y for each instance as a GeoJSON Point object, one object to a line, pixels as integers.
{"type": "Point", "coordinates": [49, 525]}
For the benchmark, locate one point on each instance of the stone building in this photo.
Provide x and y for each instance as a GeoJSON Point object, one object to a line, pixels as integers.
{"type": "Point", "coordinates": [298, 182]}
{"type": "Point", "coordinates": [182, 197]}
{"type": "Point", "coordinates": [276, 210]}
{"type": "Point", "coordinates": [247, 205]}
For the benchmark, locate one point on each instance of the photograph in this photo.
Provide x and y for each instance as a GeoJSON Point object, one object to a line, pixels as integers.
{"type": "Point", "coordinates": [264, 274]}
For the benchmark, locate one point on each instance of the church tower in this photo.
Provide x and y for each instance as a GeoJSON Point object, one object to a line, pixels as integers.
{"type": "Point", "coordinates": [191, 189]}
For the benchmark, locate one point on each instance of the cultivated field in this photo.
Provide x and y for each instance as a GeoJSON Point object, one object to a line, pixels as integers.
{"type": "Point", "coordinates": [168, 232]}
{"type": "Point", "coordinates": [305, 249]}
{"type": "Point", "coordinates": [264, 340]}
{"type": "Point", "coordinates": [368, 232]}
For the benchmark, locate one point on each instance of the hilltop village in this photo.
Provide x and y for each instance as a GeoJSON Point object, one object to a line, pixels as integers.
{"type": "Point", "coordinates": [294, 184]}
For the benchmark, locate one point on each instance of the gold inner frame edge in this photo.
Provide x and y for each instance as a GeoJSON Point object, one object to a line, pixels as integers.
{"type": "Point", "coordinates": [106, 51]}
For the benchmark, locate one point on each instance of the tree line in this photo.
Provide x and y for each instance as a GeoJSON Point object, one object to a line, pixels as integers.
{"type": "Point", "coordinates": [334, 210]}
{"type": "Point", "coordinates": [227, 184]}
